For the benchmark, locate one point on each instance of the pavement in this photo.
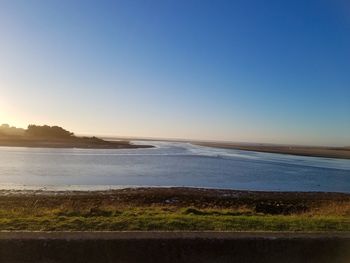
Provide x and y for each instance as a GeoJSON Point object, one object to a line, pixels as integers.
{"type": "Point", "coordinates": [174, 247]}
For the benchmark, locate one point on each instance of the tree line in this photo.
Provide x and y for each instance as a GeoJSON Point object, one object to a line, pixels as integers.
{"type": "Point", "coordinates": [48, 131]}
{"type": "Point", "coordinates": [44, 131]}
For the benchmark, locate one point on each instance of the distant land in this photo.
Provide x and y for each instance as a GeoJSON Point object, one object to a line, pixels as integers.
{"type": "Point", "coordinates": [56, 137]}
{"type": "Point", "coordinates": [300, 150]}
{"type": "Point", "coordinates": [315, 151]}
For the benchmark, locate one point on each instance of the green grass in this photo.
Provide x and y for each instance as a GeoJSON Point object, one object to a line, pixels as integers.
{"type": "Point", "coordinates": [165, 218]}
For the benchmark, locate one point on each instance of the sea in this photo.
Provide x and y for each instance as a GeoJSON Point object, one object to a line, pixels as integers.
{"type": "Point", "coordinates": [168, 164]}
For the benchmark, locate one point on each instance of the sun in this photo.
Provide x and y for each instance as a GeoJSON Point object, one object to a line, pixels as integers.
{"type": "Point", "coordinates": [6, 118]}
{"type": "Point", "coordinates": [9, 114]}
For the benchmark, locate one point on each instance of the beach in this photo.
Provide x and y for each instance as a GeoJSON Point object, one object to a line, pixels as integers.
{"type": "Point", "coordinates": [313, 151]}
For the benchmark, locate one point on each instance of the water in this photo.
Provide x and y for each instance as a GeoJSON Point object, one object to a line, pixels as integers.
{"type": "Point", "coordinates": [169, 164]}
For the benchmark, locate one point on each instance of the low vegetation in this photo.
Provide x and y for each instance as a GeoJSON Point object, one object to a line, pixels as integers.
{"type": "Point", "coordinates": [152, 210]}
{"type": "Point", "coordinates": [167, 218]}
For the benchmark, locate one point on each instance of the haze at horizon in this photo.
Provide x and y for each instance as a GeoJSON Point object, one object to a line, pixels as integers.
{"type": "Point", "coordinates": [243, 71]}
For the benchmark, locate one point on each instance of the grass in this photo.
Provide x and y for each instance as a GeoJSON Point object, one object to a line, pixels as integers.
{"type": "Point", "coordinates": [168, 218]}
{"type": "Point", "coordinates": [170, 209]}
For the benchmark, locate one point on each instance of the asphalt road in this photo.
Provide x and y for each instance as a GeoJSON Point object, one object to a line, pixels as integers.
{"type": "Point", "coordinates": [173, 247]}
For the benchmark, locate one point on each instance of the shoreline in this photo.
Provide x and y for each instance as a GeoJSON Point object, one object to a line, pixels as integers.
{"type": "Point", "coordinates": [181, 190]}
{"type": "Point", "coordinates": [182, 196]}
{"type": "Point", "coordinates": [90, 189]}
{"type": "Point", "coordinates": [69, 144]}
{"type": "Point", "coordinates": [309, 151]}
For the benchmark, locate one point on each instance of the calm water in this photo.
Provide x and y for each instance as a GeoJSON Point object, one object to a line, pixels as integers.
{"type": "Point", "coordinates": [169, 164]}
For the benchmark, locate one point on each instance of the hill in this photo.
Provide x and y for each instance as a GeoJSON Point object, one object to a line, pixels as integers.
{"type": "Point", "coordinates": [55, 137]}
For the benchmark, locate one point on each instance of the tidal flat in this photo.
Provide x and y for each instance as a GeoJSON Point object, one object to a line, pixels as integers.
{"type": "Point", "coordinates": [312, 151]}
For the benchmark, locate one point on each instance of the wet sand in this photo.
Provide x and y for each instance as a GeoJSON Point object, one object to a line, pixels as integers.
{"type": "Point", "coordinates": [327, 152]}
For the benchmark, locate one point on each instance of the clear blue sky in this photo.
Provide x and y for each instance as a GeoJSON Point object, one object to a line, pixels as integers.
{"type": "Point", "coordinates": [257, 71]}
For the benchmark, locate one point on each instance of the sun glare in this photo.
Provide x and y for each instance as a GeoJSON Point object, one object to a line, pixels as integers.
{"type": "Point", "coordinates": [7, 118]}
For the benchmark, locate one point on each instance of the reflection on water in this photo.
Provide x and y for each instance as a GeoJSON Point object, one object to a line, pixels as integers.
{"type": "Point", "coordinates": [169, 164]}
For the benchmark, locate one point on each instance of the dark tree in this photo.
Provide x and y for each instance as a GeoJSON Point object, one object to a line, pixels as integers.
{"type": "Point", "coordinates": [48, 131]}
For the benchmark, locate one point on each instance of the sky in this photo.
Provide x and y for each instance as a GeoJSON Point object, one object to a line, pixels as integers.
{"type": "Point", "coordinates": [243, 71]}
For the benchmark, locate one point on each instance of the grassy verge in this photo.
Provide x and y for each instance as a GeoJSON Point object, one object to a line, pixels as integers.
{"type": "Point", "coordinates": [171, 209]}
{"type": "Point", "coordinates": [166, 218]}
